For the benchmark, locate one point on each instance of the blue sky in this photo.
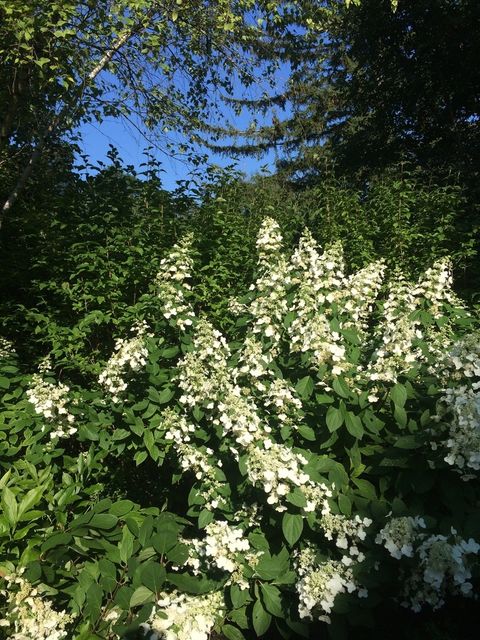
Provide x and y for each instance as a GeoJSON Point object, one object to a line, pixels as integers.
{"type": "Point", "coordinates": [128, 139]}
{"type": "Point", "coordinates": [130, 143]}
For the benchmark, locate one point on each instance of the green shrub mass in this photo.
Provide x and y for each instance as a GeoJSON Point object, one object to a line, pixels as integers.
{"type": "Point", "coordinates": [265, 440]}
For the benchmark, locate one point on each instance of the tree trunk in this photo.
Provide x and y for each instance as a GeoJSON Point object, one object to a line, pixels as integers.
{"type": "Point", "coordinates": [58, 121]}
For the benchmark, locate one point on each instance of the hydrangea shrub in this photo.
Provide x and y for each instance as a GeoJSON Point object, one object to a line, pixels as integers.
{"type": "Point", "coordinates": [316, 463]}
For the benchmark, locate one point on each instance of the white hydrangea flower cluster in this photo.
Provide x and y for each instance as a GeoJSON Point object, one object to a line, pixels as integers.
{"type": "Point", "coordinates": [399, 535]}
{"type": "Point", "coordinates": [192, 458]}
{"type": "Point", "coordinates": [269, 241]}
{"type": "Point", "coordinates": [270, 305]}
{"type": "Point", "coordinates": [316, 336]}
{"type": "Point", "coordinates": [207, 381]}
{"type": "Point", "coordinates": [220, 548]}
{"type": "Point", "coordinates": [203, 374]}
{"type": "Point", "coordinates": [396, 333]}
{"type": "Point", "coordinates": [278, 470]}
{"type": "Point", "coordinates": [6, 349]}
{"type": "Point", "coordinates": [238, 416]}
{"type": "Point", "coordinates": [320, 583]}
{"type": "Point", "coordinates": [320, 280]}
{"type": "Point", "coordinates": [399, 331]}
{"type": "Point", "coordinates": [175, 270]}
{"type": "Point", "coordinates": [460, 406]}
{"type": "Point", "coordinates": [178, 616]}
{"type": "Point", "coordinates": [359, 294]}
{"type": "Point", "coordinates": [443, 568]}
{"type": "Point", "coordinates": [253, 361]}
{"type": "Point", "coordinates": [281, 398]}
{"type": "Point", "coordinates": [347, 532]}
{"type": "Point", "coordinates": [435, 285]}
{"type": "Point", "coordinates": [30, 616]}
{"type": "Point", "coordinates": [51, 401]}
{"type": "Point", "coordinates": [129, 355]}
{"type": "Point", "coordinates": [461, 361]}
{"type": "Point", "coordinates": [316, 494]}
{"type": "Point", "coordinates": [320, 277]}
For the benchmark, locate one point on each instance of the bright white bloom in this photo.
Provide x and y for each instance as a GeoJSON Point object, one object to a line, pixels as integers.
{"type": "Point", "coordinates": [399, 535]}
{"type": "Point", "coordinates": [175, 270]}
{"type": "Point", "coordinates": [238, 416]}
{"type": "Point", "coordinates": [6, 349]}
{"type": "Point", "coordinates": [203, 373]}
{"type": "Point", "coordinates": [278, 470]}
{"type": "Point", "coordinates": [460, 409]}
{"type": "Point", "coordinates": [269, 305]}
{"type": "Point", "coordinates": [444, 568]}
{"type": "Point", "coordinates": [29, 615]}
{"type": "Point", "coordinates": [320, 277]}
{"type": "Point", "coordinates": [51, 401]}
{"type": "Point", "coordinates": [269, 240]}
{"type": "Point", "coordinates": [178, 616]}
{"type": "Point", "coordinates": [281, 399]}
{"type": "Point", "coordinates": [345, 531]}
{"type": "Point", "coordinates": [359, 294]}
{"type": "Point", "coordinates": [396, 334]}
{"type": "Point", "coordinates": [221, 547]}
{"type": "Point", "coordinates": [130, 355]}
{"type": "Point", "coordinates": [320, 583]}
{"type": "Point", "coordinates": [461, 361]}
{"type": "Point", "coordinates": [320, 280]}
{"type": "Point", "coordinates": [435, 286]}
{"type": "Point", "coordinates": [253, 361]}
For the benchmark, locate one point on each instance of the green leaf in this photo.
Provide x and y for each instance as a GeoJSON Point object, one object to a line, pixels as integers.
{"type": "Point", "coordinates": [125, 545]}
{"type": "Point", "coordinates": [10, 506]}
{"type": "Point", "coordinates": [304, 387]}
{"type": "Point", "coordinates": [322, 398]}
{"type": "Point", "coordinates": [94, 601]}
{"type": "Point", "coordinates": [190, 584]}
{"type": "Point", "coordinates": [365, 488]}
{"type": "Point", "coordinates": [258, 541]}
{"type": "Point", "coordinates": [292, 527]}
{"type": "Point", "coordinates": [334, 419]}
{"type": "Point", "coordinates": [232, 633]}
{"type": "Point", "coordinates": [121, 507]}
{"type": "Point", "coordinates": [57, 540]}
{"type": "Point", "coordinates": [169, 352]}
{"type": "Point", "coordinates": [165, 539]}
{"type": "Point", "coordinates": [140, 596]}
{"type": "Point", "coordinates": [238, 596]}
{"type": "Point", "coordinates": [153, 576]}
{"type": "Point", "coordinates": [140, 457]}
{"type": "Point", "coordinates": [407, 442]}
{"type": "Point", "coordinates": [261, 619]}
{"type": "Point", "coordinates": [271, 599]}
{"type": "Point", "coordinates": [297, 498]}
{"type": "Point", "coordinates": [120, 434]}
{"type": "Point", "coordinates": [30, 500]}
{"type": "Point", "coordinates": [398, 394]}
{"type": "Point", "coordinates": [205, 517]}
{"type": "Point", "coordinates": [400, 416]}
{"type": "Point", "coordinates": [341, 388]}
{"type": "Point", "coordinates": [165, 396]}
{"type": "Point", "coordinates": [307, 432]}
{"type": "Point", "coordinates": [354, 425]}
{"type": "Point", "coordinates": [103, 521]}
{"type": "Point", "coordinates": [178, 554]}
{"type": "Point", "coordinates": [345, 505]}
{"type": "Point", "coordinates": [271, 567]}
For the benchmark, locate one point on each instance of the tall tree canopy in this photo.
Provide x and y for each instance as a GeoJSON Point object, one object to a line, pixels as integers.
{"type": "Point", "coordinates": [162, 61]}
{"type": "Point", "coordinates": [376, 86]}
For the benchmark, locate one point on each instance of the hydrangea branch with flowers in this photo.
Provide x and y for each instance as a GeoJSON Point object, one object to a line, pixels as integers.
{"type": "Point", "coordinates": [311, 449]}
